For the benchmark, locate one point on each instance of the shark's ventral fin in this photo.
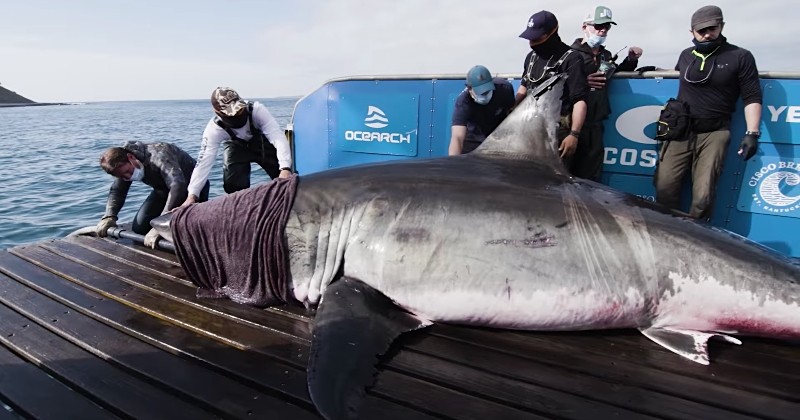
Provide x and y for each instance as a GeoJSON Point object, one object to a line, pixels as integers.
{"type": "Point", "coordinates": [692, 345]}
{"type": "Point", "coordinates": [354, 325]}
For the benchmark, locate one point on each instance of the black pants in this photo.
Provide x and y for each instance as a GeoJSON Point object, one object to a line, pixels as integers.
{"type": "Point", "coordinates": [153, 206]}
{"type": "Point", "coordinates": [237, 157]}
{"type": "Point", "coordinates": [587, 162]}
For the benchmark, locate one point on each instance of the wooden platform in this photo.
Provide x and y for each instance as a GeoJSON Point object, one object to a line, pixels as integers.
{"type": "Point", "coordinates": [93, 328]}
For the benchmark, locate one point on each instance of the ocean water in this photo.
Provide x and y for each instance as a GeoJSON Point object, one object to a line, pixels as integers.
{"type": "Point", "coordinates": [51, 183]}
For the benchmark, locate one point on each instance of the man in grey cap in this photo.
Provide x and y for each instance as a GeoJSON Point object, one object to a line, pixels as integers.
{"type": "Point", "coordinates": [714, 74]}
{"type": "Point", "coordinates": [479, 109]}
{"type": "Point", "coordinates": [248, 134]}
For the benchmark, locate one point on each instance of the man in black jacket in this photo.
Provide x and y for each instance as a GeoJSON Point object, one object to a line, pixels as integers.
{"type": "Point", "coordinates": [163, 166]}
{"type": "Point", "coordinates": [713, 75]}
{"type": "Point", "coordinates": [599, 64]}
{"type": "Point", "coordinates": [550, 56]}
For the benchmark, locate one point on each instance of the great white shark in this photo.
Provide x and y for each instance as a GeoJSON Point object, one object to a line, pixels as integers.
{"type": "Point", "coordinates": [504, 237]}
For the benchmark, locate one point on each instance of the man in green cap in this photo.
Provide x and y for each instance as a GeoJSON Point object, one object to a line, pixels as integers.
{"type": "Point", "coordinates": [599, 65]}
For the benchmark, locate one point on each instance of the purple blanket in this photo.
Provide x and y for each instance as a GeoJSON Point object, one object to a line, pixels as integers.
{"type": "Point", "coordinates": [234, 246]}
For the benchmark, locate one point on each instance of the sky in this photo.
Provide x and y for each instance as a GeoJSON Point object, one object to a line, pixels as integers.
{"type": "Point", "coordinates": [112, 50]}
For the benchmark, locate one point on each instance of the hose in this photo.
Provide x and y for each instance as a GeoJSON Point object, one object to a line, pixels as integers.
{"type": "Point", "coordinates": [121, 233]}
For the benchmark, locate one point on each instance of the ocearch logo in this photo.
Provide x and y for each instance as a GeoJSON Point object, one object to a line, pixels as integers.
{"type": "Point", "coordinates": [630, 125]}
{"type": "Point", "coordinates": [376, 118]}
{"type": "Point", "coordinates": [777, 187]}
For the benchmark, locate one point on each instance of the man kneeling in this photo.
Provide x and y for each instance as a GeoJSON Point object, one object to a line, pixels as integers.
{"type": "Point", "coordinates": [163, 166]}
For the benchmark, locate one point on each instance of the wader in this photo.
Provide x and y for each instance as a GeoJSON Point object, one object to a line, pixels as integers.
{"type": "Point", "coordinates": [238, 154]}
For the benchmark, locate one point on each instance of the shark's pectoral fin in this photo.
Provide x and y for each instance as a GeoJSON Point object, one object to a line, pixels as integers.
{"type": "Point", "coordinates": [692, 345]}
{"type": "Point", "coordinates": [354, 325]}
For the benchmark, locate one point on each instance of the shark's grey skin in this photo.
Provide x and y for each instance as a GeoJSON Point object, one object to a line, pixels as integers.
{"type": "Point", "coordinates": [162, 225]}
{"type": "Point", "coordinates": [504, 237]}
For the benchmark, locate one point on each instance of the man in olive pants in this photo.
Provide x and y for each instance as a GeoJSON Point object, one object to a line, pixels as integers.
{"type": "Point", "coordinates": [713, 76]}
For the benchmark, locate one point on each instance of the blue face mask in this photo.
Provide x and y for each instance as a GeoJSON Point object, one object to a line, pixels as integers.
{"type": "Point", "coordinates": [137, 175]}
{"type": "Point", "coordinates": [595, 40]}
{"type": "Point", "coordinates": [482, 99]}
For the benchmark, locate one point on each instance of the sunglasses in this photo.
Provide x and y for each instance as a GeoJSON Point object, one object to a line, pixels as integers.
{"type": "Point", "coordinates": [703, 31]}
{"type": "Point", "coordinates": [600, 26]}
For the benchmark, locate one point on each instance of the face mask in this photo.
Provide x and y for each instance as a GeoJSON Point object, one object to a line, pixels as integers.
{"type": "Point", "coordinates": [482, 99]}
{"type": "Point", "coordinates": [705, 47]}
{"type": "Point", "coordinates": [595, 40]}
{"type": "Point", "coordinates": [235, 122]}
{"type": "Point", "coordinates": [137, 175]}
{"type": "Point", "coordinates": [549, 47]}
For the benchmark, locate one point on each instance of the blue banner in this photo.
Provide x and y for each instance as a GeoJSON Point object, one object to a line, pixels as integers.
{"type": "Point", "coordinates": [380, 124]}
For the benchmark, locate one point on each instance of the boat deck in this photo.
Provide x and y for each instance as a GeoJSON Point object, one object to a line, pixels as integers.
{"type": "Point", "coordinates": [98, 328]}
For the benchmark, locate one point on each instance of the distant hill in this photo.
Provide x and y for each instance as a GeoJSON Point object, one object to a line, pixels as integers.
{"type": "Point", "coordinates": [9, 97]}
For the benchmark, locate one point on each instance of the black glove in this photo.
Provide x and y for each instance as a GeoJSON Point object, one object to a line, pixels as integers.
{"type": "Point", "coordinates": [748, 146]}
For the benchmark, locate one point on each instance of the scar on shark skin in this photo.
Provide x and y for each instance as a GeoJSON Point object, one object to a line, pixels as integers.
{"type": "Point", "coordinates": [539, 240]}
{"type": "Point", "coordinates": [407, 235]}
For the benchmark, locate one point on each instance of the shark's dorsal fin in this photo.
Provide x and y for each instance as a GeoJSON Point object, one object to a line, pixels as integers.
{"type": "Point", "coordinates": [529, 132]}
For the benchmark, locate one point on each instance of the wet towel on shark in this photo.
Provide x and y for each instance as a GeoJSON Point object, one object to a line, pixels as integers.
{"type": "Point", "coordinates": [248, 225]}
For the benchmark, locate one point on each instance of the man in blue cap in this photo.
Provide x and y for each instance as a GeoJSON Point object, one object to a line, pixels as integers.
{"type": "Point", "coordinates": [480, 108]}
{"type": "Point", "coordinates": [550, 56]}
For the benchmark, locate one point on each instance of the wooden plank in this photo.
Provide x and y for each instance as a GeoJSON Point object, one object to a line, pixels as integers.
{"type": "Point", "coordinates": [631, 348]}
{"type": "Point", "coordinates": [25, 387]}
{"type": "Point", "coordinates": [162, 305]}
{"type": "Point", "coordinates": [446, 402]}
{"type": "Point", "coordinates": [206, 388]}
{"type": "Point", "coordinates": [514, 392]}
{"type": "Point", "coordinates": [255, 368]}
{"type": "Point", "coordinates": [756, 355]}
{"type": "Point", "coordinates": [518, 359]}
{"type": "Point", "coordinates": [7, 413]}
{"type": "Point", "coordinates": [236, 333]}
{"type": "Point", "coordinates": [689, 406]}
{"type": "Point", "coordinates": [98, 261]}
{"type": "Point", "coordinates": [582, 386]}
{"type": "Point", "coordinates": [552, 350]}
{"type": "Point", "coordinates": [107, 385]}
{"type": "Point", "coordinates": [130, 271]}
{"type": "Point", "coordinates": [131, 255]}
{"type": "Point", "coordinates": [731, 365]}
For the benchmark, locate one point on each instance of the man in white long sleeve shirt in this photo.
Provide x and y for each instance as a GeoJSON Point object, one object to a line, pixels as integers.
{"type": "Point", "coordinates": [247, 133]}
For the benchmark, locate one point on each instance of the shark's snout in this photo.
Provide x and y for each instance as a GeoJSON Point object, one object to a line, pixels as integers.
{"type": "Point", "coordinates": [162, 225]}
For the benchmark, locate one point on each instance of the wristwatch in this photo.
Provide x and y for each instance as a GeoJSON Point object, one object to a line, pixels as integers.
{"type": "Point", "coordinates": [286, 169]}
{"type": "Point", "coordinates": [756, 134]}
{"type": "Point", "coordinates": [575, 133]}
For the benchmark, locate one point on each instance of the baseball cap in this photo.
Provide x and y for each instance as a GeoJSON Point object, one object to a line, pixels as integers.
{"type": "Point", "coordinates": [227, 102]}
{"type": "Point", "coordinates": [706, 16]}
{"type": "Point", "coordinates": [539, 24]}
{"type": "Point", "coordinates": [599, 15]}
{"type": "Point", "coordinates": [480, 80]}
